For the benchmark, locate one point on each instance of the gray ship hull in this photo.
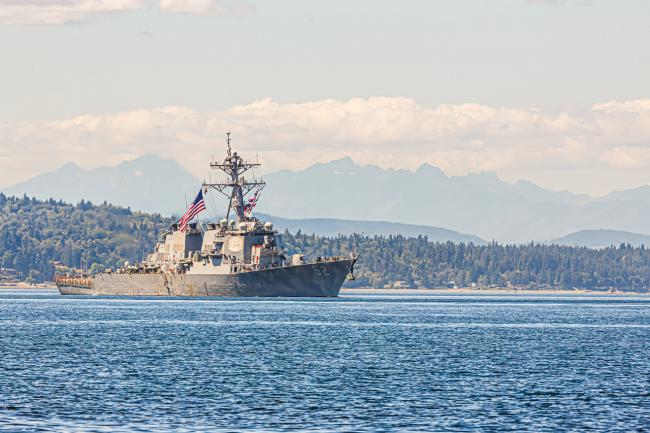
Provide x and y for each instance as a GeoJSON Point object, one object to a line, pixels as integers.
{"type": "Point", "coordinates": [323, 279]}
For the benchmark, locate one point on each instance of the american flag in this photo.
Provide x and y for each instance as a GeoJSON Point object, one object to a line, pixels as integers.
{"type": "Point", "coordinates": [195, 208]}
{"type": "Point", "coordinates": [248, 207]}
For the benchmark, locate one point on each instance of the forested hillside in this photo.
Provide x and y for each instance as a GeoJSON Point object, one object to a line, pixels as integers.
{"type": "Point", "coordinates": [35, 233]}
{"type": "Point", "coordinates": [421, 263]}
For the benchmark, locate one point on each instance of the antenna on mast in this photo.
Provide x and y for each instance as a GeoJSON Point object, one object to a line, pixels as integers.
{"type": "Point", "coordinates": [236, 187]}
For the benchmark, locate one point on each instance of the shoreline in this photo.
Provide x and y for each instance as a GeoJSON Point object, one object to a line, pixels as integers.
{"type": "Point", "coordinates": [26, 286]}
{"type": "Point", "coordinates": [492, 291]}
{"type": "Point", "coordinates": [371, 291]}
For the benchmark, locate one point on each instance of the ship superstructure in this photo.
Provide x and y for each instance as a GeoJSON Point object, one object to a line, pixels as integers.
{"type": "Point", "coordinates": [233, 257]}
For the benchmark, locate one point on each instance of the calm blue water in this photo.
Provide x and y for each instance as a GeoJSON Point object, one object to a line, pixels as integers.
{"type": "Point", "coordinates": [363, 363]}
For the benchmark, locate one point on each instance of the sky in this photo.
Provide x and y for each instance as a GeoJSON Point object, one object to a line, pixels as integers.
{"type": "Point", "coordinates": [553, 91]}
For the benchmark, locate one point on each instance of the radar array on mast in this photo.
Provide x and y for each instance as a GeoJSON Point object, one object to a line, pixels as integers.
{"type": "Point", "coordinates": [236, 187]}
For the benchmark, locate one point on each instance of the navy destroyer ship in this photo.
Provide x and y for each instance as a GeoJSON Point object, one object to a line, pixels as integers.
{"type": "Point", "coordinates": [232, 257]}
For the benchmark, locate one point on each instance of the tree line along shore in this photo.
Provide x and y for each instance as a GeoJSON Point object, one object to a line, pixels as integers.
{"type": "Point", "coordinates": [35, 233]}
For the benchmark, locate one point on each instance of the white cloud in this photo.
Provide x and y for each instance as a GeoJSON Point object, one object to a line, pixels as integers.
{"type": "Point", "coordinates": [211, 7]}
{"type": "Point", "coordinates": [627, 157]}
{"type": "Point", "coordinates": [641, 106]}
{"type": "Point", "coordinates": [61, 11]}
{"type": "Point", "coordinates": [54, 12]}
{"type": "Point", "coordinates": [610, 141]}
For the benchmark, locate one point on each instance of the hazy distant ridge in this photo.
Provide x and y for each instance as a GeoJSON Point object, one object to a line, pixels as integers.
{"type": "Point", "coordinates": [334, 227]}
{"type": "Point", "coordinates": [603, 238]}
{"type": "Point", "coordinates": [481, 204]}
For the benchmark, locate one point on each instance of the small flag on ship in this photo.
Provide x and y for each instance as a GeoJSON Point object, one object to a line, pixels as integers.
{"type": "Point", "coordinates": [248, 207]}
{"type": "Point", "coordinates": [195, 208]}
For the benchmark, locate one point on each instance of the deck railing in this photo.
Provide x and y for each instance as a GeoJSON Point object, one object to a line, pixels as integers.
{"type": "Point", "coordinates": [73, 281]}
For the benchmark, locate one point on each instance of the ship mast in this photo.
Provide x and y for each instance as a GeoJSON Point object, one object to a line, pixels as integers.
{"type": "Point", "coordinates": [235, 186]}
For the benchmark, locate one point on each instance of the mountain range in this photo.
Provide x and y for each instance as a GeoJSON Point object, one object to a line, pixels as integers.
{"type": "Point", "coordinates": [481, 204]}
{"type": "Point", "coordinates": [344, 195]}
{"type": "Point", "coordinates": [149, 184]}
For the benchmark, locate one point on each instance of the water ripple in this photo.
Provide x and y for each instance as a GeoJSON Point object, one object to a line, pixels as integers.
{"type": "Point", "coordinates": [372, 363]}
